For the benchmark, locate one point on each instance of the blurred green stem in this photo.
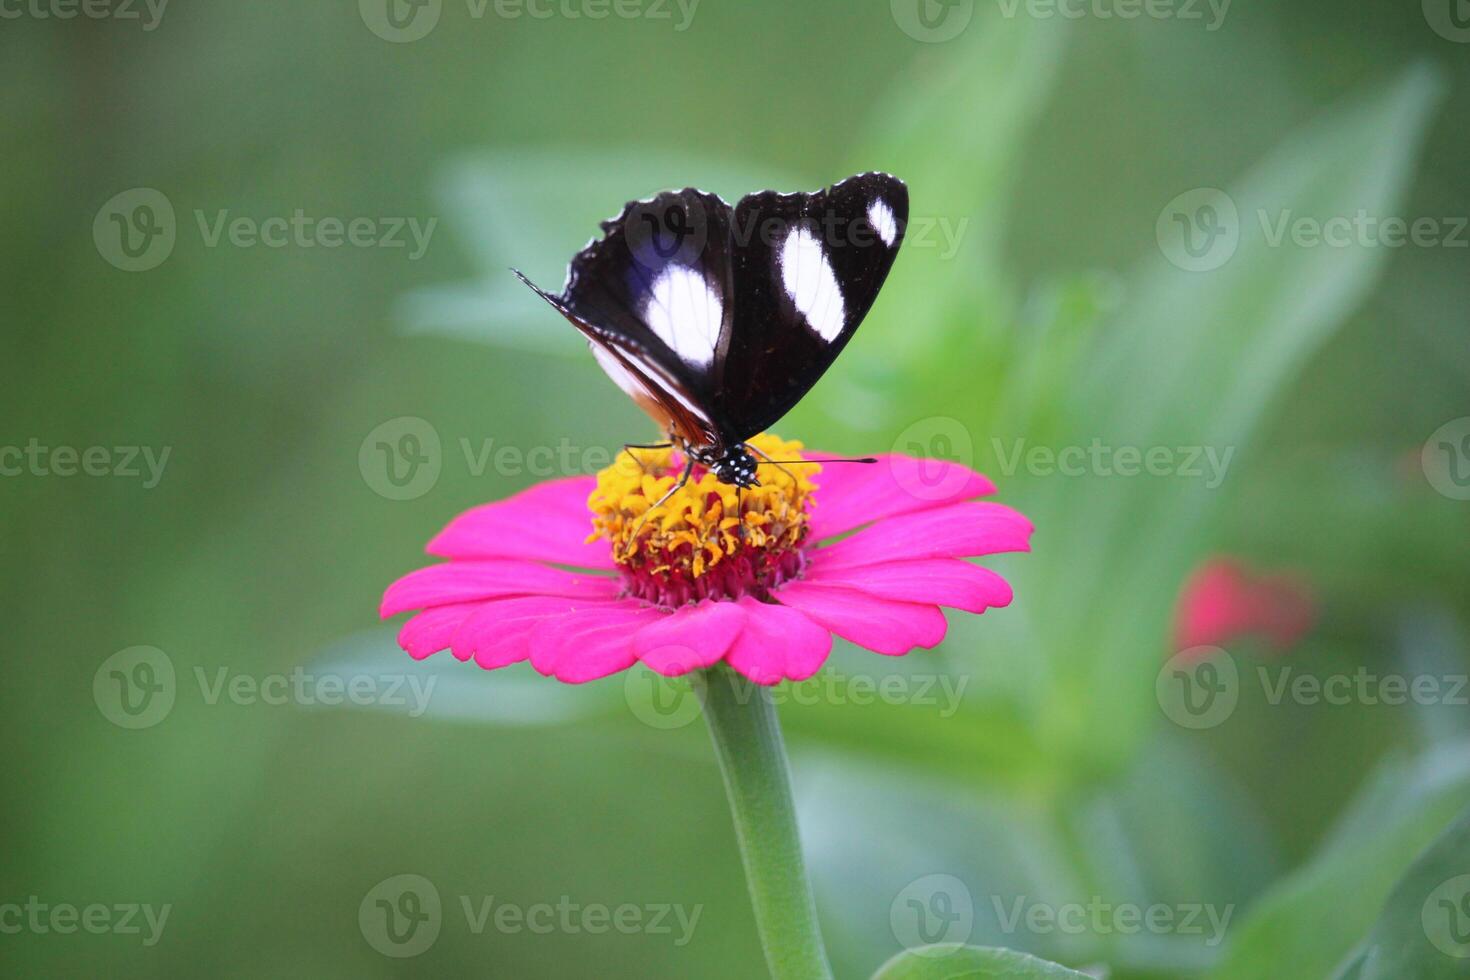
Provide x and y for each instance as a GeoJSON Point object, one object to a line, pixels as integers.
{"type": "Point", "coordinates": [742, 722]}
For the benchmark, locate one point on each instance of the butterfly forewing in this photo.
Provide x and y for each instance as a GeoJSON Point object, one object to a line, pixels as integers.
{"type": "Point", "coordinates": [666, 398]}
{"type": "Point", "coordinates": [807, 270]}
{"type": "Point", "coordinates": [654, 297]}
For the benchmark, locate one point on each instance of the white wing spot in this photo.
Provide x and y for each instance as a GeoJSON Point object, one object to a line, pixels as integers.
{"type": "Point", "coordinates": [685, 313]}
{"type": "Point", "coordinates": [812, 285]}
{"type": "Point", "coordinates": [880, 216]}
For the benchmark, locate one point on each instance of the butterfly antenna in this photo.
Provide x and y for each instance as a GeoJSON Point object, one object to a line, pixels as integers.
{"type": "Point", "coordinates": [773, 462]}
{"type": "Point", "coordinates": [794, 462]}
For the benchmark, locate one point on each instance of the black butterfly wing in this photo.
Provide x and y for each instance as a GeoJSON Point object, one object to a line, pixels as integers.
{"type": "Point", "coordinates": [717, 322]}
{"type": "Point", "coordinates": [806, 271]}
{"type": "Point", "coordinates": [655, 299]}
{"type": "Point", "coordinates": [664, 398]}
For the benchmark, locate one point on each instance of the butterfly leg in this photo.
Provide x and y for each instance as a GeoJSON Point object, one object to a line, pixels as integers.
{"type": "Point", "coordinates": [740, 514]}
{"type": "Point", "coordinates": [678, 485]}
{"type": "Point", "coordinates": [644, 445]}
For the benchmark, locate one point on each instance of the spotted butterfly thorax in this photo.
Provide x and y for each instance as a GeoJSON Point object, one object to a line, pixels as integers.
{"type": "Point", "coordinates": [715, 319]}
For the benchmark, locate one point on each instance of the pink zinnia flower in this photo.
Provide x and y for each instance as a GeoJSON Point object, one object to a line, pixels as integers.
{"type": "Point", "coordinates": [1224, 600]}
{"type": "Point", "coordinates": [760, 578]}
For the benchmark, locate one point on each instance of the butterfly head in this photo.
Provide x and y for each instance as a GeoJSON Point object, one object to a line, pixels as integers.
{"type": "Point", "coordinates": [736, 466]}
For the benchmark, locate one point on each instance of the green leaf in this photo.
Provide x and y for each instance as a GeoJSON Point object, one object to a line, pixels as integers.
{"type": "Point", "coordinates": [954, 129]}
{"type": "Point", "coordinates": [1174, 833]}
{"type": "Point", "coordinates": [1424, 929]}
{"type": "Point", "coordinates": [1310, 920]}
{"type": "Point", "coordinates": [1195, 359]}
{"type": "Point", "coordinates": [991, 847]}
{"type": "Point", "coordinates": [952, 961]}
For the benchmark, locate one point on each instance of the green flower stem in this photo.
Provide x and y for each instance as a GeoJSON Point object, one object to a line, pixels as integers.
{"type": "Point", "coordinates": [742, 722]}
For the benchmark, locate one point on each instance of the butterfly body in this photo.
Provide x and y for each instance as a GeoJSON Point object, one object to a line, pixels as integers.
{"type": "Point", "coordinates": [733, 465]}
{"type": "Point", "coordinates": [716, 320]}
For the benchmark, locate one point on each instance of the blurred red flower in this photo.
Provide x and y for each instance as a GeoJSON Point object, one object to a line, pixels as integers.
{"type": "Point", "coordinates": [1225, 599]}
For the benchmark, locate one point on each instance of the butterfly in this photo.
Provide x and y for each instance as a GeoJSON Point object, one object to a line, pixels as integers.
{"type": "Point", "coordinates": [716, 320]}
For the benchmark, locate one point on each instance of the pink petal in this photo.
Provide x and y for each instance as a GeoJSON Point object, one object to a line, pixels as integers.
{"type": "Point", "coordinates": [939, 581]}
{"type": "Point", "coordinates": [593, 644]}
{"type": "Point", "coordinates": [881, 625]}
{"type": "Point", "coordinates": [690, 638]}
{"type": "Point", "coordinates": [851, 495]}
{"type": "Point", "coordinates": [777, 643]}
{"type": "Point", "coordinates": [955, 531]}
{"type": "Point", "coordinates": [432, 630]}
{"type": "Point", "coordinates": [547, 522]}
{"type": "Point", "coordinates": [498, 632]}
{"type": "Point", "coordinates": [464, 581]}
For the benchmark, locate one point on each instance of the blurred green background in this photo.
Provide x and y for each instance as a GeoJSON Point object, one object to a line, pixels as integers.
{"type": "Point", "coordinates": [1051, 150]}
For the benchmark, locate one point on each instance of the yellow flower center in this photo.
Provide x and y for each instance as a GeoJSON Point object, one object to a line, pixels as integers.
{"type": "Point", "coordinates": [709, 540]}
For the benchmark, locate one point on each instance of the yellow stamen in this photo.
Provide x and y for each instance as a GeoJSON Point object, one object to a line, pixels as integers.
{"type": "Point", "coordinates": [706, 523]}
